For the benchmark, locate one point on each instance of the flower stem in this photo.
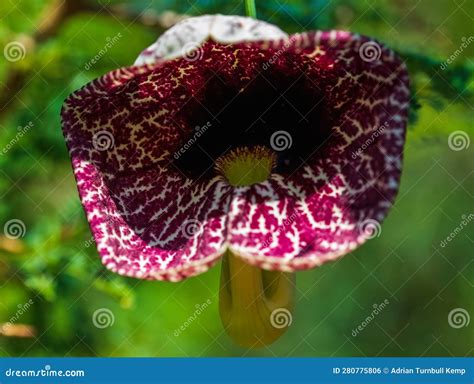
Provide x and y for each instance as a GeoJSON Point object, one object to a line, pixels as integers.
{"type": "Point", "coordinates": [255, 305]}
{"type": "Point", "coordinates": [250, 9]}
{"type": "Point", "coordinates": [252, 302]}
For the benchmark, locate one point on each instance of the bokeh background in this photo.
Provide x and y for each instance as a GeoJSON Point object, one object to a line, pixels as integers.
{"type": "Point", "coordinates": [56, 299]}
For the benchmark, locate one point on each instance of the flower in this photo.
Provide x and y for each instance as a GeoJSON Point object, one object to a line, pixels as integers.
{"type": "Point", "coordinates": [155, 148]}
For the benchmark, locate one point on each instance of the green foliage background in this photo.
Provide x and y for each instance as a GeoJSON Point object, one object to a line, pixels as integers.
{"type": "Point", "coordinates": [56, 265]}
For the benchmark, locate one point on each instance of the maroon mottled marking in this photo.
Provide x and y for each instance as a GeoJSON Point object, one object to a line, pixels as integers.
{"type": "Point", "coordinates": [138, 203]}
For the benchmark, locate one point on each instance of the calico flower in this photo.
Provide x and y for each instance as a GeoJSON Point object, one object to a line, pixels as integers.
{"type": "Point", "coordinates": [230, 138]}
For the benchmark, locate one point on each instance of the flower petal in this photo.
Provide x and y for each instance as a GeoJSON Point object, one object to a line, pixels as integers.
{"type": "Point", "coordinates": [148, 220]}
{"type": "Point", "coordinates": [186, 37]}
{"type": "Point", "coordinates": [337, 200]}
{"type": "Point", "coordinates": [137, 200]}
